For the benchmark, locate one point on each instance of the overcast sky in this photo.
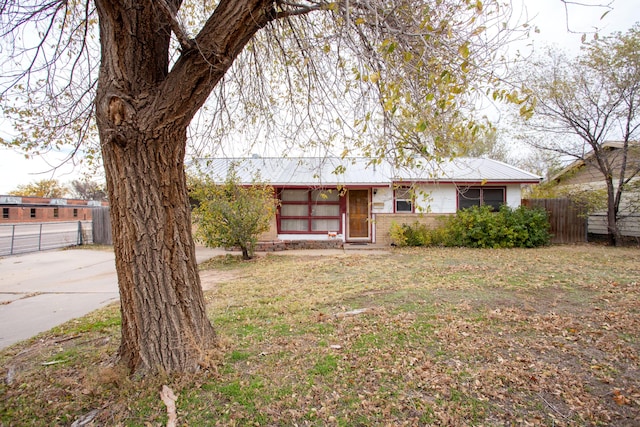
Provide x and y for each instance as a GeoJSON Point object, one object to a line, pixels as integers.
{"type": "Point", "coordinates": [549, 16]}
{"type": "Point", "coordinates": [564, 26]}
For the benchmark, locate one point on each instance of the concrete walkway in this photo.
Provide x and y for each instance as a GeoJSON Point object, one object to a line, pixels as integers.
{"type": "Point", "coordinates": [41, 290]}
{"type": "Point", "coordinates": [44, 289]}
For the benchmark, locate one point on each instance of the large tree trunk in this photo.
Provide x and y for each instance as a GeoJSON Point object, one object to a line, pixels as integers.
{"type": "Point", "coordinates": [142, 113]}
{"type": "Point", "coordinates": [164, 322]}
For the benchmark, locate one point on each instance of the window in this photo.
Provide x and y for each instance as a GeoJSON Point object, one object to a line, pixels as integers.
{"type": "Point", "coordinates": [75, 213]}
{"type": "Point", "coordinates": [404, 200]}
{"type": "Point", "coordinates": [479, 196]}
{"type": "Point", "coordinates": [5, 213]}
{"type": "Point", "coordinates": [56, 212]}
{"type": "Point", "coordinates": [309, 211]}
{"type": "Point", "coordinates": [32, 214]}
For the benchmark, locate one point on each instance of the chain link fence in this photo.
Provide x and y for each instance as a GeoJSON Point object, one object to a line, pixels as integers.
{"type": "Point", "coordinates": [32, 237]}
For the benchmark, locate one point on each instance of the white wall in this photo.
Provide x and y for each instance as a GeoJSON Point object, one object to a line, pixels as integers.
{"type": "Point", "coordinates": [303, 236]}
{"type": "Point", "coordinates": [435, 198]}
{"type": "Point", "coordinates": [382, 200]}
{"type": "Point", "coordinates": [514, 196]}
{"type": "Point", "coordinates": [442, 198]}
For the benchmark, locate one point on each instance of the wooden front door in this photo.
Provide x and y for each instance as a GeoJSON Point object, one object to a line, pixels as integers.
{"type": "Point", "coordinates": [358, 211]}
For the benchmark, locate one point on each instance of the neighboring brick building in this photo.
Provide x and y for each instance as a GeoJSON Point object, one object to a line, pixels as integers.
{"type": "Point", "coordinates": [23, 209]}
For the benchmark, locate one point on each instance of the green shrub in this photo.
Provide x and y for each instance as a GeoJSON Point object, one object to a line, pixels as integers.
{"type": "Point", "coordinates": [481, 227]}
{"type": "Point", "coordinates": [416, 234]}
{"type": "Point", "coordinates": [396, 233]}
{"type": "Point", "coordinates": [231, 214]}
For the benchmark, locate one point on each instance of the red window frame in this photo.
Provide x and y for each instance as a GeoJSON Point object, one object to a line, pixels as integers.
{"type": "Point", "coordinates": [481, 199]}
{"type": "Point", "coordinates": [309, 217]}
{"type": "Point", "coordinates": [411, 199]}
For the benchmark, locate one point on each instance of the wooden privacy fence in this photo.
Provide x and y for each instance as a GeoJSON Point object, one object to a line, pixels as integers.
{"type": "Point", "coordinates": [568, 223]}
{"type": "Point", "coordinates": [102, 226]}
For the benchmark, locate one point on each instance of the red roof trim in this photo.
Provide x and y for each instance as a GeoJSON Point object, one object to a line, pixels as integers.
{"type": "Point", "coordinates": [467, 182]}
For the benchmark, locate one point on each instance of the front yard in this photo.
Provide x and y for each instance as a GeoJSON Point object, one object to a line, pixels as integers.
{"type": "Point", "coordinates": [547, 336]}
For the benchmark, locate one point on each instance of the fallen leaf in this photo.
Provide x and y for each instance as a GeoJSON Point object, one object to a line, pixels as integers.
{"type": "Point", "coordinates": [620, 398]}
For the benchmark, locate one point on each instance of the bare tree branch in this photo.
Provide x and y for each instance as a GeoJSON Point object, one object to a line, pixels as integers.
{"type": "Point", "coordinates": [170, 13]}
{"type": "Point", "coordinates": [594, 98]}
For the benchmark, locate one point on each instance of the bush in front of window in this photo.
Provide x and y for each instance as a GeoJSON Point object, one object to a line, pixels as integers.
{"type": "Point", "coordinates": [479, 227]}
{"type": "Point", "coordinates": [396, 233]}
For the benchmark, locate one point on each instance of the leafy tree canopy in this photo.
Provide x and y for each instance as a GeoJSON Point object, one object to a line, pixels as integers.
{"type": "Point", "coordinates": [87, 189]}
{"type": "Point", "coordinates": [230, 214]}
{"type": "Point", "coordinates": [383, 79]}
{"type": "Point", "coordinates": [49, 188]}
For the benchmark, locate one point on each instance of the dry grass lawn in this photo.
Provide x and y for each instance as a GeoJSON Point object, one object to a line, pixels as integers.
{"type": "Point", "coordinates": [449, 337]}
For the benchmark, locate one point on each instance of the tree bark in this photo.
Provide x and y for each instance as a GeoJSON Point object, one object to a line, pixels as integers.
{"type": "Point", "coordinates": [245, 253]}
{"type": "Point", "coordinates": [142, 111]}
{"type": "Point", "coordinates": [164, 321]}
{"type": "Point", "coordinates": [614, 237]}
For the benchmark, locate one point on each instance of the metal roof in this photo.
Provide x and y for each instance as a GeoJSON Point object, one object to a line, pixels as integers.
{"type": "Point", "coordinates": [336, 171]}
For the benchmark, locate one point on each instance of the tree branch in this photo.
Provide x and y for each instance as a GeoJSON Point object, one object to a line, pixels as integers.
{"type": "Point", "coordinates": [197, 72]}
{"type": "Point", "coordinates": [170, 13]}
{"type": "Point", "coordinates": [290, 9]}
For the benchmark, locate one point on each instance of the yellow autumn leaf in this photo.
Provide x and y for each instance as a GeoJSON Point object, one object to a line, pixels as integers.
{"type": "Point", "coordinates": [464, 50]}
{"type": "Point", "coordinates": [332, 6]}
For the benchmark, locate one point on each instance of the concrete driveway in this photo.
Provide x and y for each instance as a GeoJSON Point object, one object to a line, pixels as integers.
{"type": "Point", "coordinates": [41, 290]}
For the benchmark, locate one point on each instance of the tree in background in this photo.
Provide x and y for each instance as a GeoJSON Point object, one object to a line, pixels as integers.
{"type": "Point", "coordinates": [394, 78]}
{"type": "Point", "coordinates": [498, 144]}
{"type": "Point", "coordinates": [89, 190]}
{"type": "Point", "coordinates": [488, 146]}
{"type": "Point", "coordinates": [543, 163]}
{"type": "Point", "coordinates": [585, 103]}
{"type": "Point", "coordinates": [232, 215]}
{"type": "Point", "coordinates": [49, 188]}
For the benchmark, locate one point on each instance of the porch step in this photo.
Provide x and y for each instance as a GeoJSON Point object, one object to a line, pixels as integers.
{"type": "Point", "coordinates": [365, 247]}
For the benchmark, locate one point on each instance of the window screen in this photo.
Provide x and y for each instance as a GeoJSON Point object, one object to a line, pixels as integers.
{"type": "Point", "coordinates": [404, 200]}
{"type": "Point", "coordinates": [479, 196]}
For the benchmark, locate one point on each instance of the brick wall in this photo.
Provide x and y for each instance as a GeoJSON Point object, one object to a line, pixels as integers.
{"type": "Point", "coordinates": [20, 214]}
{"type": "Point", "coordinates": [271, 234]}
{"type": "Point", "coordinates": [383, 223]}
{"type": "Point", "coordinates": [284, 245]}
{"type": "Point", "coordinates": [19, 209]}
